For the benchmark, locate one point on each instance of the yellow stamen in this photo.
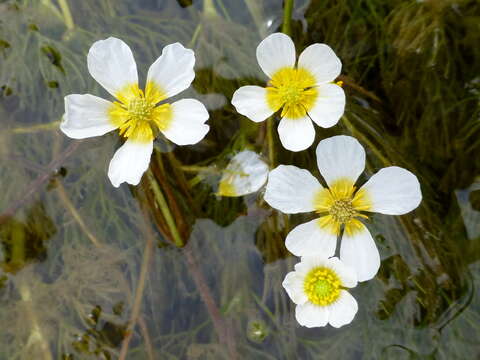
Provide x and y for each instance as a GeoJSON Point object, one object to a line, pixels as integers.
{"type": "Point", "coordinates": [137, 116]}
{"type": "Point", "coordinates": [322, 286]}
{"type": "Point", "coordinates": [231, 173]}
{"type": "Point", "coordinates": [342, 205]}
{"type": "Point", "coordinates": [226, 188]}
{"type": "Point", "coordinates": [294, 89]}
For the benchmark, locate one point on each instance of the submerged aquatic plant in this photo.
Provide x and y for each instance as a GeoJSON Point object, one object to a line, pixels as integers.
{"type": "Point", "coordinates": [407, 79]}
{"type": "Point", "coordinates": [138, 115]}
{"type": "Point", "coordinates": [341, 160]}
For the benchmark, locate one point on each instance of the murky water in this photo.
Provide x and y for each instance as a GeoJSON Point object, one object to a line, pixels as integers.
{"type": "Point", "coordinates": [81, 261]}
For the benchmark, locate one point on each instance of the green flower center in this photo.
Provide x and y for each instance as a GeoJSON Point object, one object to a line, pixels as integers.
{"type": "Point", "coordinates": [322, 286]}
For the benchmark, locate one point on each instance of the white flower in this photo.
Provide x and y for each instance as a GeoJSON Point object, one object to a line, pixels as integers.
{"type": "Point", "coordinates": [305, 91]}
{"type": "Point", "coordinates": [317, 286]}
{"type": "Point", "coordinates": [136, 114]}
{"type": "Point", "coordinates": [245, 174]}
{"type": "Point", "coordinates": [341, 160]}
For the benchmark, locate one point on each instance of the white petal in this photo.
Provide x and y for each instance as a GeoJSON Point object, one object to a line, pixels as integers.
{"type": "Point", "coordinates": [347, 275]}
{"type": "Point", "coordinates": [311, 239]}
{"type": "Point", "coordinates": [340, 157]}
{"type": "Point", "coordinates": [251, 101]}
{"type": "Point", "coordinates": [187, 126]}
{"type": "Point", "coordinates": [276, 51]}
{"type": "Point", "coordinates": [342, 311]}
{"type": "Point", "coordinates": [291, 190]}
{"type": "Point", "coordinates": [86, 116]}
{"type": "Point", "coordinates": [111, 63]}
{"type": "Point", "coordinates": [293, 284]}
{"type": "Point", "coordinates": [393, 191]}
{"type": "Point", "coordinates": [311, 315]}
{"type": "Point", "coordinates": [173, 71]}
{"type": "Point", "coordinates": [245, 174]}
{"type": "Point", "coordinates": [296, 134]}
{"type": "Point", "coordinates": [329, 105]}
{"type": "Point", "coordinates": [129, 162]}
{"type": "Point", "coordinates": [321, 61]}
{"type": "Point", "coordinates": [310, 262]}
{"type": "Point", "coordinates": [358, 251]}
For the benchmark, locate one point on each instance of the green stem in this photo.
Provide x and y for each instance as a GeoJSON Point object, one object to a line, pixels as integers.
{"type": "Point", "coordinates": [195, 35]}
{"type": "Point", "coordinates": [287, 17]}
{"type": "Point", "coordinates": [162, 203]}
{"type": "Point", "coordinates": [209, 8]}
{"type": "Point", "coordinates": [254, 7]}
{"type": "Point", "coordinates": [67, 15]}
{"type": "Point", "coordinates": [35, 128]}
{"type": "Point", "coordinates": [195, 169]}
{"type": "Point", "coordinates": [76, 216]}
{"type": "Point", "coordinates": [271, 145]}
{"type": "Point", "coordinates": [52, 8]}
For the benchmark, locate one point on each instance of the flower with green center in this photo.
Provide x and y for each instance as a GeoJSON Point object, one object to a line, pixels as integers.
{"type": "Point", "coordinates": [318, 287]}
{"type": "Point", "coordinates": [138, 115]}
{"type": "Point", "coordinates": [341, 206]}
{"type": "Point", "coordinates": [245, 174]}
{"type": "Point", "coordinates": [302, 91]}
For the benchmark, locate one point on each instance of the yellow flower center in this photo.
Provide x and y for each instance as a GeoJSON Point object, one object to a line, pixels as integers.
{"type": "Point", "coordinates": [322, 286]}
{"type": "Point", "coordinates": [140, 109]}
{"type": "Point", "coordinates": [342, 205]}
{"type": "Point", "coordinates": [227, 182]}
{"type": "Point", "coordinates": [342, 210]}
{"type": "Point", "coordinates": [226, 188]}
{"type": "Point", "coordinates": [137, 116]}
{"type": "Point", "coordinates": [294, 90]}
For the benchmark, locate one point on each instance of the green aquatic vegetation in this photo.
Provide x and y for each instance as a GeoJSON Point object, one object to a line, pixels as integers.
{"type": "Point", "coordinates": [411, 77]}
{"type": "Point", "coordinates": [40, 307]}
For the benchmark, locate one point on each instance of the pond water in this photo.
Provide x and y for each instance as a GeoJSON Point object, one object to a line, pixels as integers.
{"type": "Point", "coordinates": [89, 271]}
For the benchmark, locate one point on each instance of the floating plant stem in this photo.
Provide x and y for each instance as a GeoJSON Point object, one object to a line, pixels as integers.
{"type": "Point", "coordinates": [71, 208]}
{"type": "Point", "coordinates": [195, 35]}
{"type": "Point", "coordinates": [162, 203]}
{"type": "Point", "coordinates": [67, 15]}
{"type": "Point", "coordinates": [36, 335]}
{"type": "Point", "coordinates": [35, 128]}
{"type": "Point", "coordinates": [53, 8]}
{"type": "Point", "coordinates": [255, 11]}
{"type": "Point", "coordinates": [209, 8]}
{"type": "Point", "coordinates": [196, 169]}
{"type": "Point", "coordinates": [223, 331]}
{"type": "Point", "coordinates": [287, 17]}
{"type": "Point", "coordinates": [146, 336]}
{"type": "Point", "coordinates": [134, 317]}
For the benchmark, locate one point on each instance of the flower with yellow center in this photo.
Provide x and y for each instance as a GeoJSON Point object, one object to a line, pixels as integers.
{"type": "Point", "coordinates": [318, 288]}
{"type": "Point", "coordinates": [138, 115]}
{"type": "Point", "coordinates": [245, 174]}
{"type": "Point", "coordinates": [341, 160]}
{"type": "Point", "coordinates": [302, 91]}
